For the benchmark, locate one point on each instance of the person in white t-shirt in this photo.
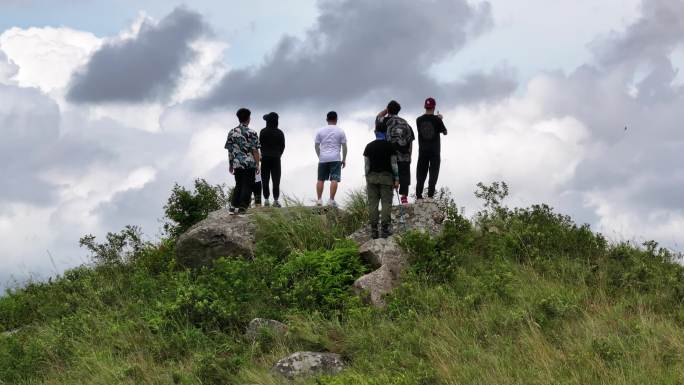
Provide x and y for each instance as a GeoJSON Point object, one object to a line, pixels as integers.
{"type": "Point", "coordinates": [329, 141]}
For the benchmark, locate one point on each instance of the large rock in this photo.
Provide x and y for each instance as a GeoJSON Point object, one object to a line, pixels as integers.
{"type": "Point", "coordinates": [219, 235]}
{"type": "Point", "coordinates": [386, 256]}
{"type": "Point", "coordinates": [258, 324]}
{"type": "Point", "coordinates": [303, 364]}
{"type": "Point", "coordinates": [390, 261]}
{"type": "Point", "coordinates": [426, 216]}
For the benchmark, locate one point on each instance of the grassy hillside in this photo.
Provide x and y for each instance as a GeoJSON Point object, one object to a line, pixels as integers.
{"type": "Point", "coordinates": [512, 296]}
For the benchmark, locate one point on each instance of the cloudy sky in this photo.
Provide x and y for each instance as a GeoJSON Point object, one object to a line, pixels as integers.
{"type": "Point", "coordinates": [104, 105]}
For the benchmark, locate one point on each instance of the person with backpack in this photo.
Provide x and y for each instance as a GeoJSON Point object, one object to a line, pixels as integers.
{"type": "Point", "coordinates": [400, 134]}
{"type": "Point", "coordinates": [382, 176]}
{"type": "Point", "coordinates": [243, 157]}
{"type": "Point", "coordinates": [272, 142]}
{"type": "Point", "coordinates": [430, 127]}
{"type": "Point", "coordinates": [329, 140]}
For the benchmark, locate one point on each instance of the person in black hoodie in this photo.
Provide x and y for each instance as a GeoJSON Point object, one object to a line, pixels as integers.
{"type": "Point", "coordinates": [272, 142]}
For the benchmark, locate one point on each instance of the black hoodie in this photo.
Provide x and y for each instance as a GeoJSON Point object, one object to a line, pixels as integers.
{"type": "Point", "coordinates": [271, 138]}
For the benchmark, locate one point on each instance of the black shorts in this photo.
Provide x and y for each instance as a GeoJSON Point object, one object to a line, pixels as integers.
{"type": "Point", "coordinates": [330, 171]}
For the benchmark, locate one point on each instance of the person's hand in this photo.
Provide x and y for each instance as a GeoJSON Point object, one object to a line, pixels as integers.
{"type": "Point", "coordinates": [446, 132]}
{"type": "Point", "coordinates": [440, 116]}
{"type": "Point", "coordinates": [344, 164]}
{"type": "Point", "coordinates": [258, 170]}
{"type": "Point", "coordinates": [230, 169]}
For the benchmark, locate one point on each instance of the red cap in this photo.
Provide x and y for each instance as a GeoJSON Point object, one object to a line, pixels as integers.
{"type": "Point", "coordinates": [430, 103]}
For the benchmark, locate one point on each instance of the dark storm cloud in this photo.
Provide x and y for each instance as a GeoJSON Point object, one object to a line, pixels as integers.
{"type": "Point", "coordinates": [361, 48]}
{"type": "Point", "coordinates": [141, 69]}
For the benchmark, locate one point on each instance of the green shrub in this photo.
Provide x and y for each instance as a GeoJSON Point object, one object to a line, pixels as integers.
{"type": "Point", "coordinates": [119, 247]}
{"type": "Point", "coordinates": [319, 280]}
{"type": "Point", "coordinates": [184, 208]}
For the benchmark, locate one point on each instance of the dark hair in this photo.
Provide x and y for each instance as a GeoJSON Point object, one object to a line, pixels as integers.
{"type": "Point", "coordinates": [332, 116]}
{"type": "Point", "coordinates": [243, 115]}
{"type": "Point", "coordinates": [393, 107]}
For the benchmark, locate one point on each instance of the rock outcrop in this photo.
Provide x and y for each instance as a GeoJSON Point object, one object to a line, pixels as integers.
{"type": "Point", "coordinates": [390, 261]}
{"type": "Point", "coordinates": [302, 364]}
{"type": "Point", "coordinates": [426, 216]}
{"type": "Point", "coordinates": [258, 324]}
{"type": "Point", "coordinates": [219, 235]}
{"type": "Point", "coordinates": [386, 255]}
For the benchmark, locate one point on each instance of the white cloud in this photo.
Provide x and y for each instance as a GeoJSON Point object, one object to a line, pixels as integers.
{"type": "Point", "coordinates": [47, 57]}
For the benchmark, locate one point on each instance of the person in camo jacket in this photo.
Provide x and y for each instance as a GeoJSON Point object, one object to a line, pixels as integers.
{"type": "Point", "coordinates": [243, 157]}
{"type": "Point", "coordinates": [401, 135]}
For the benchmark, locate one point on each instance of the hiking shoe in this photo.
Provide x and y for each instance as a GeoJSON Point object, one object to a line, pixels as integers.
{"type": "Point", "coordinates": [241, 211]}
{"type": "Point", "coordinates": [267, 203]}
{"type": "Point", "coordinates": [231, 210]}
{"type": "Point", "coordinates": [332, 203]}
{"type": "Point", "coordinates": [404, 200]}
{"type": "Point", "coordinates": [276, 204]}
{"type": "Point", "coordinates": [420, 200]}
{"type": "Point", "coordinates": [374, 232]}
{"type": "Point", "coordinates": [386, 231]}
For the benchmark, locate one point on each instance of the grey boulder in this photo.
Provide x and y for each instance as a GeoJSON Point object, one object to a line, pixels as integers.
{"type": "Point", "coordinates": [390, 262]}
{"type": "Point", "coordinates": [219, 235]}
{"type": "Point", "coordinates": [389, 259]}
{"type": "Point", "coordinates": [303, 364]}
{"type": "Point", "coordinates": [258, 324]}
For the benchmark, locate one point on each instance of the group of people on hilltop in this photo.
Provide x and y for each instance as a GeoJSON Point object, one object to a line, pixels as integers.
{"type": "Point", "coordinates": [255, 160]}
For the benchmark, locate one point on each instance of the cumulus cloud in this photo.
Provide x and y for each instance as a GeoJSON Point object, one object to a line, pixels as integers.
{"type": "Point", "coordinates": [368, 48]}
{"type": "Point", "coordinates": [144, 68]}
{"type": "Point", "coordinates": [7, 69]}
{"type": "Point", "coordinates": [46, 57]}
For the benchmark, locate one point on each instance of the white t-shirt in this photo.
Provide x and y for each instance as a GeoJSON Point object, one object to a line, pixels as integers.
{"type": "Point", "coordinates": [331, 138]}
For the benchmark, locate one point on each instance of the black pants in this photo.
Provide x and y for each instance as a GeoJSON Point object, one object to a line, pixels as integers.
{"type": "Point", "coordinates": [270, 169]}
{"type": "Point", "coordinates": [244, 184]}
{"type": "Point", "coordinates": [404, 177]}
{"type": "Point", "coordinates": [427, 162]}
{"type": "Point", "coordinates": [257, 193]}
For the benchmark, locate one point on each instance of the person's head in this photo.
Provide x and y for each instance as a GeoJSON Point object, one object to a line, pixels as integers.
{"type": "Point", "coordinates": [393, 107]}
{"type": "Point", "coordinates": [430, 104]}
{"type": "Point", "coordinates": [331, 118]}
{"type": "Point", "coordinates": [271, 120]}
{"type": "Point", "coordinates": [243, 115]}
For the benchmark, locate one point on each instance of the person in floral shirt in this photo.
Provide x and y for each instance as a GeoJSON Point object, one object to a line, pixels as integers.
{"type": "Point", "coordinates": [243, 157]}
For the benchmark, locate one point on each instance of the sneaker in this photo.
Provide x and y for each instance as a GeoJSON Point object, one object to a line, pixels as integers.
{"type": "Point", "coordinates": [231, 210]}
{"type": "Point", "coordinates": [404, 200]}
{"type": "Point", "coordinates": [374, 232]}
{"type": "Point", "coordinates": [420, 200]}
{"type": "Point", "coordinates": [319, 202]}
{"type": "Point", "coordinates": [267, 203]}
{"type": "Point", "coordinates": [241, 211]}
{"type": "Point", "coordinates": [276, 204]}
{"type": "Point", "coordinates": [332, 204]}
{"type": "Point", "coordinates": [386, 231]}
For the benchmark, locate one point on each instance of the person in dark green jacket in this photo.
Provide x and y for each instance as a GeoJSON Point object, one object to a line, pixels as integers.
{"type": "Point", "coordinates": [382, 176]}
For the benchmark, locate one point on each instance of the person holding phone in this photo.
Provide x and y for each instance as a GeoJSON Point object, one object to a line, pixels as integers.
{"type": "Point", "coordinates": [430, 128]}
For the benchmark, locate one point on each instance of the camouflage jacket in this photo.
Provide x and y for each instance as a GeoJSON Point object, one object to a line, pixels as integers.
{"type": "Point", "coordinates": [400, 134]}
{"type": "Point", "coordinates": [240, 143]}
